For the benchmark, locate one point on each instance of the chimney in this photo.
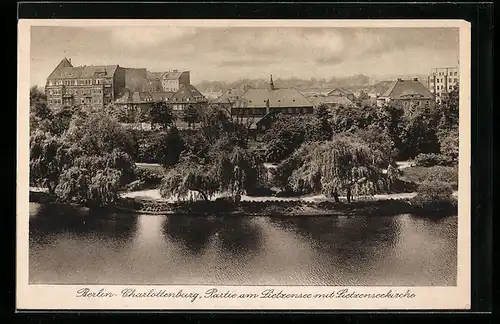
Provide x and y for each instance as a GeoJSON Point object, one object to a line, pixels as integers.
{"type": "Point", "coordinates": [69, 60]}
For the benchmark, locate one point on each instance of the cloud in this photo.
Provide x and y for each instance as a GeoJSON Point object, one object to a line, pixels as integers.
{"type": "Point", "coordinates": [148, 36]}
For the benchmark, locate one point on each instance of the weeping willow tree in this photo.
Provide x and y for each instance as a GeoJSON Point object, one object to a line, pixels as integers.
{"type": "Point", "coordinates": [226, 169]}
{"type": "Point", "coordinates": [343, 165]}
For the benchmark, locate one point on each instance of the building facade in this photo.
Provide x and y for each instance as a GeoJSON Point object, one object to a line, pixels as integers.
{"type": "Point", "coordinates": [172, 81]}
{"type": "Point", "coordinates": [96, 85]}
{"type": "Point", "coordinates": [442, 81]}
{"type": "Point", "coordinates": [187, 96]}
{"type": "Point", "coordinates": [407, 94]}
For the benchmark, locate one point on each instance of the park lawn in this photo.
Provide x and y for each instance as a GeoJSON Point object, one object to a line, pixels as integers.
{"type": "Point", "coordinates": [418, 174]}
{"type": "Point", "coordinates": [156, 168]}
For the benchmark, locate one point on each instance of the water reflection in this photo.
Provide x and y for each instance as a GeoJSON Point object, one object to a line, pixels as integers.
{"type": "Point", "coordinates": [52, 219]}
{"type": "Point", "coordinates": [71, 245]}
{"type": "Point", "coordinates": [234, 235]}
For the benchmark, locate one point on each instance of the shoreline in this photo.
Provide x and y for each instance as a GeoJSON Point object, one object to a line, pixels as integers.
{"type": "Point", "coordinates": [270, 207]}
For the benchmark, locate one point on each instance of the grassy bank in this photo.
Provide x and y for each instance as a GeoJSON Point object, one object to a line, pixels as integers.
{"type": "Point", "coordinates": [387, 207]}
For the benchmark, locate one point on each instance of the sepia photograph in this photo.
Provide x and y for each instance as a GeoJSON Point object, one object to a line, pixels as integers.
{"type": "Point", "coordinates": [231, 155]}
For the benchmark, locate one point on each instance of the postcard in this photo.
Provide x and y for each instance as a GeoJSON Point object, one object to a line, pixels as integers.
{"type": "Point", "coordinates": [243, 164]}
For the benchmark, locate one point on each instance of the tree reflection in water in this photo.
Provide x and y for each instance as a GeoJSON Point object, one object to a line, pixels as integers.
{"type": "Point", "coordinates": [52, 219]}
{"type": "Point", "coordinates": [239, 236]}
{"type": "Point", "coordinates": [193, 232]}
{"type": "Point", "coordinates": [351, 244]}
{"type": "Point", "coordinates": [236, 235]}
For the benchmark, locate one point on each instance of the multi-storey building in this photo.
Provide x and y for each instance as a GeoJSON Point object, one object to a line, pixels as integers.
{"type": "Point", "coordinates": [99, 85]}
{"type": "Point", "coordinates": [172, 81]}
{"type": "Point", "coordinates": [442, 81]}
{"type": "Point", "coordinates": [95, 85]}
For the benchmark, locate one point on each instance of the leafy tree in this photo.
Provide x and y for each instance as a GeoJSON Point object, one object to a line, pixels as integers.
{"type": "Point", "coordinates": [450, 110]}
{"type": "Point", "coordinates": [353, 118]}
{"type": "Point", "coordinates": [227, 167]}
{"type": "Point", "coordinates": [48, 158]}
{"type": "Point", "coordinates": [191, 115]}
{"type": "Point", "coordinates": [449, 143]}
{"type": "Point", "coordinates": [342, 165]}
{"type": "Point", "coordinates": [322, 113]}
{"type": "Point", "coordinates": [161, 113]}
{"type": "Point", "coordinates": [38, 103]}
{"type": "Point", "coordinates": [362, 97]}
{"type": "Point", "coordinates": [289, 132]}
{"type": "Point", "coordinates": [170, 146]}
{"type": "Point", "coordinates": [99, 133]}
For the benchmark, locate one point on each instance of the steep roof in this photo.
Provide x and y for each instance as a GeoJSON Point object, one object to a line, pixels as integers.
{"type": "Point", "coordinates": [338, 100]}
{"type": "Point", "coordinates": [65, 70]}
{"type": "Point", "coordinates": [344, 92]}
{"type": "Point", "coordinates": [172, 75]}
{"type": "Point", "coordinates": [187, 93]}
{"type": "Point", "coordinates": [161, 95]}
{"type": "Point", "coordinates": [258, 98]}
{"type": "Point", "coordinates": [154, 75]}
{"type": "Point", "coordinates": [231, 95]}
{"type": "Point", "coordinates": [405, 89]}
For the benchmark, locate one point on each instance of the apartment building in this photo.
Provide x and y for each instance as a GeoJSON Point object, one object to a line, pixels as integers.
{"type": "Point", "coordinates": [95, 85]}
{"type": "Point", "coordinates": [442, 81]}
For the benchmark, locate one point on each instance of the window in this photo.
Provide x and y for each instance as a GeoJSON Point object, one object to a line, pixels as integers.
{"type": "Point", "coordinates": [50, 83]}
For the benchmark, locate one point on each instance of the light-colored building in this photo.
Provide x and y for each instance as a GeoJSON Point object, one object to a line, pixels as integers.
{"type": "Point", "coordinates": [442, 81]}
{"type": "Point", "coordinates": [173, 80]}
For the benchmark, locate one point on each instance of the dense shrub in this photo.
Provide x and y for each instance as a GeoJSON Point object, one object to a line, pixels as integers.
{"type": "Point", "coordinates": [437, 173]}
{"type": "Point", "coordinates": [434, 196]}
{"type": "Point", "coordinates": [432, 159]}
{"type": "Point", "coordinates": [148, 177]}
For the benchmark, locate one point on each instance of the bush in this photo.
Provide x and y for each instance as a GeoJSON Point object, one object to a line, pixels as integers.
{"type": "Point", "coordinates": [148, 177]}
{"type": "Point", "coordinates": [436, 173]}
{"type": "Point", "coordinates": [432, 159]}
{"type": "Point", "coordinates": [434, 196]}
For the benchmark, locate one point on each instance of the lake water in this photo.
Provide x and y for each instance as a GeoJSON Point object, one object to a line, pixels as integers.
{"type": "Point", "coordinates": [72, 247]}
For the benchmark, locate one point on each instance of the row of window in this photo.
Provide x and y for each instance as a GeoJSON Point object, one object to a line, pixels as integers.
{"type": "Point", "coordinates": [86, 92]}
{"type": "Point", "coordinates": [450, 73]}
{"type": "Point", "coordinates": [262, 111]}
{"type": "Point", "coordinates": [70, 101]}
{"type": "Point", "coordinates": [449, 80]}
{"type": "Point", "coordinates": [450, 87]}
{"type": "Point", "coordinates": [76, 82]}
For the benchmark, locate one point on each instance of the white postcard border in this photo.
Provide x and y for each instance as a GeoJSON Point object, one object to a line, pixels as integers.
{"type": "Point", "coordinates": [44, 297]}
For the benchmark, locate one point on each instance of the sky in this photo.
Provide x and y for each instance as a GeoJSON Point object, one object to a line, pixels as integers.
{"type": "Point", "coordinates": [229, 54]}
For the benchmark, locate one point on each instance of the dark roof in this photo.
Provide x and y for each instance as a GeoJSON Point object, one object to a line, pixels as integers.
{"type": "Point", "coordinates": [65, 70]}
{"type": "Point", "coordinates": [230, 96]}
{"type": "Point", "coordinates": [172, 75]}
{"type": "Point", "coordinates": [187, 93]}
{"type": "Point", "coordinates": [154, 75]}
{"type": "Point", "coordinates": [405, 89]}
{"type": "Point", "coordinates": [133, 97]}
{"type": "Point", "coordinates": [344, 92]}
{"type": "Point", "coordinates": [344, 101]}
{"type": "Point", "coordinates": [161, 95]}
{"type": "Point", "coordinates": [381, 87]}
{"type": "Point", "coordinates": [259, 98]}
